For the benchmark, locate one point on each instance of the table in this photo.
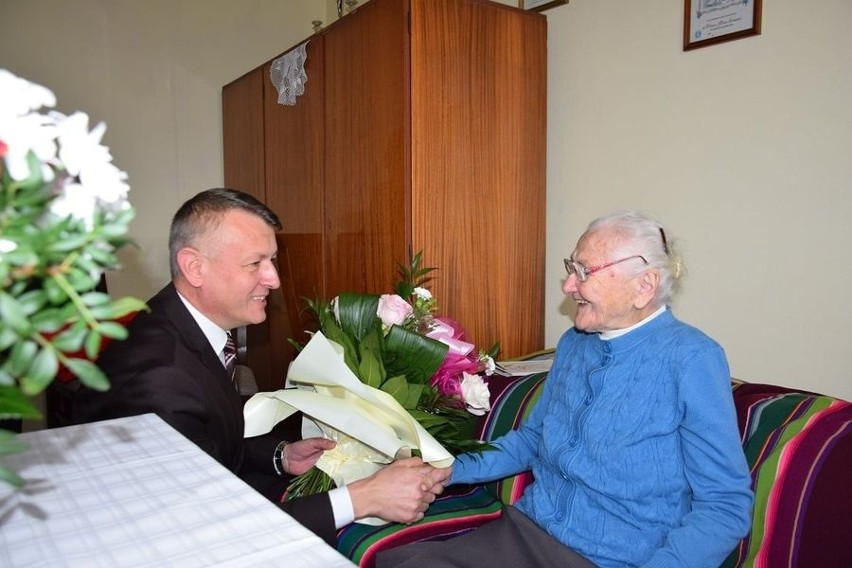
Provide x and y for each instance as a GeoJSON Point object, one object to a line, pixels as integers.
{"type": "Point", "coordinates": [135, 492]}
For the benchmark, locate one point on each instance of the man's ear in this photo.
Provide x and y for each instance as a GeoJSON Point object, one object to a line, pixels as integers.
{"type": "Point", "coordinates": [191, 264]}
{"type": "Point", "coordinates": [646, 288]}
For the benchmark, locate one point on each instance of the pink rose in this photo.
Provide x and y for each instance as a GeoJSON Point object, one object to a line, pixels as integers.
{"type": "Point", "coordinates": [393, 310]}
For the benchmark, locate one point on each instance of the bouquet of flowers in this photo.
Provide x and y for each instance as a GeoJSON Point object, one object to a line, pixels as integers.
{"type": "Point", "coordinates": [413, 374]}
{"type": "Point", "coordinates": [63, 214]}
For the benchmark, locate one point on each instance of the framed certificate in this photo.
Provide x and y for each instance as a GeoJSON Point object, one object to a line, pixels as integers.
{"type": "Point", "coordinates": [540, 5]}
{"type": "Point", "coordinates": [707, 22]}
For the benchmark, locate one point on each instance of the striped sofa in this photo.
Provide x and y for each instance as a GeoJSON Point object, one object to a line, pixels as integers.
{"type": "Point", "coordinates": [798, 445]}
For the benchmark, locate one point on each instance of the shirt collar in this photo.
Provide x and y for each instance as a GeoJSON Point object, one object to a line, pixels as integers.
{"type": "Point", "coordinates": [607, 335]}
{"type": "Point", "coordinates": [215, 335]}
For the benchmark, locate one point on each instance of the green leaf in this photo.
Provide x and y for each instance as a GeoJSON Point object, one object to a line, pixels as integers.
{"type": "Point", "coordinates": [92, 344]}
{"type": "Point", "coordinates": [88, 373]}
{"type": "Point", "coordinates": [32, 301]}
{"type": "Point", "coordinates": [415, 391]}
{"type": "Point", "coordinates": [22, 256]}
{"type": "Point", "coordinates": [41, 372]}
{"type": "Point", "coordinates": [95, 298]}
{"type": "Point", "coordinates": [50, 320]}
{"type": "Point", "coordinates": [357, 313]}
{"type": "Point", "coordinates": [13, 404]}
{"type": "Point", "coordinates": [69, 243]}
{"type": "Point", "coordinates": [112, 329]}
{"type": "Point", "coordinates": [14, 315]}
{"type": "Point", "coordinates": [370, 370]}
{"type": "Point", "coordinates": [127, 305]}
{"type": "Point", "coordinates": [81, 280]}
{"type": "Point", "coordinates": [413, 276]}
{"type": "Point", "coordinates": [55, 293]}
{"type": "Point", "coordinates": [7, 337]}
{"type": "Point", "coordinates": [20, 356]}
{"type": "Point", "coordinates": [397, 387]}
{"type": "Point", "coordinates": [413, 355]}
{"type": "Point", "coordinates": [71, 339]}
{"type": "Point", "coordinates": [102, 257]}
{"type": "Point", "coordinates": [335, 333]}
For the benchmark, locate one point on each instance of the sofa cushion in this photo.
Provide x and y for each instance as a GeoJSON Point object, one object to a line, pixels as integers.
{"type": "Point", "coordinates": [513, 399]}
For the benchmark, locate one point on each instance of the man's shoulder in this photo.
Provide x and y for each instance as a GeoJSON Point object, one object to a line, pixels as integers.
{"type": "Point", "coordinates": [152, 333]}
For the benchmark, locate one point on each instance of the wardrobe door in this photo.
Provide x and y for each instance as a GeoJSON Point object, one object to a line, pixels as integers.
{"type": "Point", "coordinates": [365, 148]}
{"type": "Point", "coordinates": [294, 161]}
{"type": "Point", "coordinates": [478, 92]}
{"type": "Point", "coordinates": [243, 156]}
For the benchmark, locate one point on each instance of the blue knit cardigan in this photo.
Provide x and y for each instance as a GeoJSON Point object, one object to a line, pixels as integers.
{"type": "Point", "coordinates": [634, 448]}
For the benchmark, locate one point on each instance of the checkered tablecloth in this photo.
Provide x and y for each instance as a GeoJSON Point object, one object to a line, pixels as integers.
{"type": "Point", "coordinates": [134, 492]}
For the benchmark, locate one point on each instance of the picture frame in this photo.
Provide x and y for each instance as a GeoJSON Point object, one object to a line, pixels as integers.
{"type": "Point", "coordinates": [540, 5]}
{"type": "Point", "coordinates": [710, 22]}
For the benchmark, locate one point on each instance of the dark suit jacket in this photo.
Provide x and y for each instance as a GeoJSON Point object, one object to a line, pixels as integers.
{"type": "Point", "coordinates": [167, 366]}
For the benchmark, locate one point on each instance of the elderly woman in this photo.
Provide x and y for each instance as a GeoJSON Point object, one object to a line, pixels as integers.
{"type": "Point", "coordinates": [633, 445]}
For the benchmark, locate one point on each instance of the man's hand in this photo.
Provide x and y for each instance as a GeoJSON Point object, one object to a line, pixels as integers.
{"type": "Point", "coordinates": [299, 457]}
{"type": "Point", "coordinates": [400, 492]}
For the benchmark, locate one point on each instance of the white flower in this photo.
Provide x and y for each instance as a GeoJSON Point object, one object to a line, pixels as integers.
{"type": "Point", "coordinates": [19, 97]}
{"type": "Point", "coordinates": [490, 365]}
{"type": "Point", "coordinates": [22, 130]}
{"type": "Point", "coordinates": [61, 143]}
{"type": "Point", "coordinates": [7, 245]}
{"type": "Point", "coordinates": [423, 293]}
{"type": "Point", "coordinates": [96, 182]}
{"type": "Point", "coordinates": [475, 394]}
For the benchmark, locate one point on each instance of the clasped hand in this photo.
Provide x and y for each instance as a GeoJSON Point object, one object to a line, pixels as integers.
{"type": "Point", "coordinates": [400, 492]}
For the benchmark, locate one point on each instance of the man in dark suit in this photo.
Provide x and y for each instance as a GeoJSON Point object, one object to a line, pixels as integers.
{"type": "Point", "coordinates": [222, 250]}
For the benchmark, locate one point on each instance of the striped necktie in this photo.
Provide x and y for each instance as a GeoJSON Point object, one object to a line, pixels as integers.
{"type": "Point", "coordinates": [230, 352]}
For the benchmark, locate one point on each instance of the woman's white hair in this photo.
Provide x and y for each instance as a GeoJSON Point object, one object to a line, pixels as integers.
{"type": "Point", "coordinates": [640, 235]}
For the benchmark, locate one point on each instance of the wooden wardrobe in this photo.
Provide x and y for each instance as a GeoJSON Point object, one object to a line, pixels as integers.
{"type": "Point", "coordinates": [422, 128]}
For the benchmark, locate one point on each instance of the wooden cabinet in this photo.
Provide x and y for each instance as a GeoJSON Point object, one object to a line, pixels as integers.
{"type": "Point", "coordinates": [422, 127]}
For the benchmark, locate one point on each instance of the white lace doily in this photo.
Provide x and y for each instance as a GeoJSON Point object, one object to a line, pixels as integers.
{"type": "Point", "coordinates": [288, 75]}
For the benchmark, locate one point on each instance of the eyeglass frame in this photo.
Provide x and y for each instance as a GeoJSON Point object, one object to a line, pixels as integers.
{"type": "Point", "coordinates": [582, 273]}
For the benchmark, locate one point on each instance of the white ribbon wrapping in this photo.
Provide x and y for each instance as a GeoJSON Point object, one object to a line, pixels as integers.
{"type": "Point", "coordinates": [328, 392]}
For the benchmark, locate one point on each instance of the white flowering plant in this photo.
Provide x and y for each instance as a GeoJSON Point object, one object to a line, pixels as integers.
{"type": "Point", "coordinates": [63, 215]}
{"type": "Point", "coordinates": [397, 343]}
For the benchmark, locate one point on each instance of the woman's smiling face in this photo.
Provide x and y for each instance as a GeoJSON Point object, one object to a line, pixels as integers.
{"type": "Point", "coordinates": [607, 300]}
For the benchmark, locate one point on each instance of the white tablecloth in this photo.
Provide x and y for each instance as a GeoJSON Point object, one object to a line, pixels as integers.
{"type": "Point", "coordinates": [134, 492]}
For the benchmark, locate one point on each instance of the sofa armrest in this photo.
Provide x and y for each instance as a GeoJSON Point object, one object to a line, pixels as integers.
{"type": "Point", "coordinates": [798, 446]}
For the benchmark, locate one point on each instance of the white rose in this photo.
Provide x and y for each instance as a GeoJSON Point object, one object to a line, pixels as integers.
{"type": "Point", "coordinates": [423, 293]}
{"type": "Point", "coordinates": [490, 365]}
{"type": "Point", "coordinates": [393, 310]}
{"type": "Point", "coordinates": [475, 394]}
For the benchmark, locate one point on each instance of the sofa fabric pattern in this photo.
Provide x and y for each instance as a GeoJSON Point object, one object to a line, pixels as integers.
{"type": "Point", "coordinates": [799, 449]}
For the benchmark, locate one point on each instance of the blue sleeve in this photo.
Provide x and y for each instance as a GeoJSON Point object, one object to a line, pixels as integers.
{"type": "Point", "coordinates": [716, 469]}
{"type": "Point", "coordinates": [514, 452]}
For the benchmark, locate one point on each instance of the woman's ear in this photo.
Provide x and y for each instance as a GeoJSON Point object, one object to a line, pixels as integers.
{"type": "Point", "coordinates": [191, 264]}
{"type": "Point", "coordinates": [646, 288]}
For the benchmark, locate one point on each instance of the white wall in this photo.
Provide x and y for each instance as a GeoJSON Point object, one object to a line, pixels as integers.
{"type": "Point", "coordinates": [153, 70]}
{"type": "Point", "coordinates": [741, 149]}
